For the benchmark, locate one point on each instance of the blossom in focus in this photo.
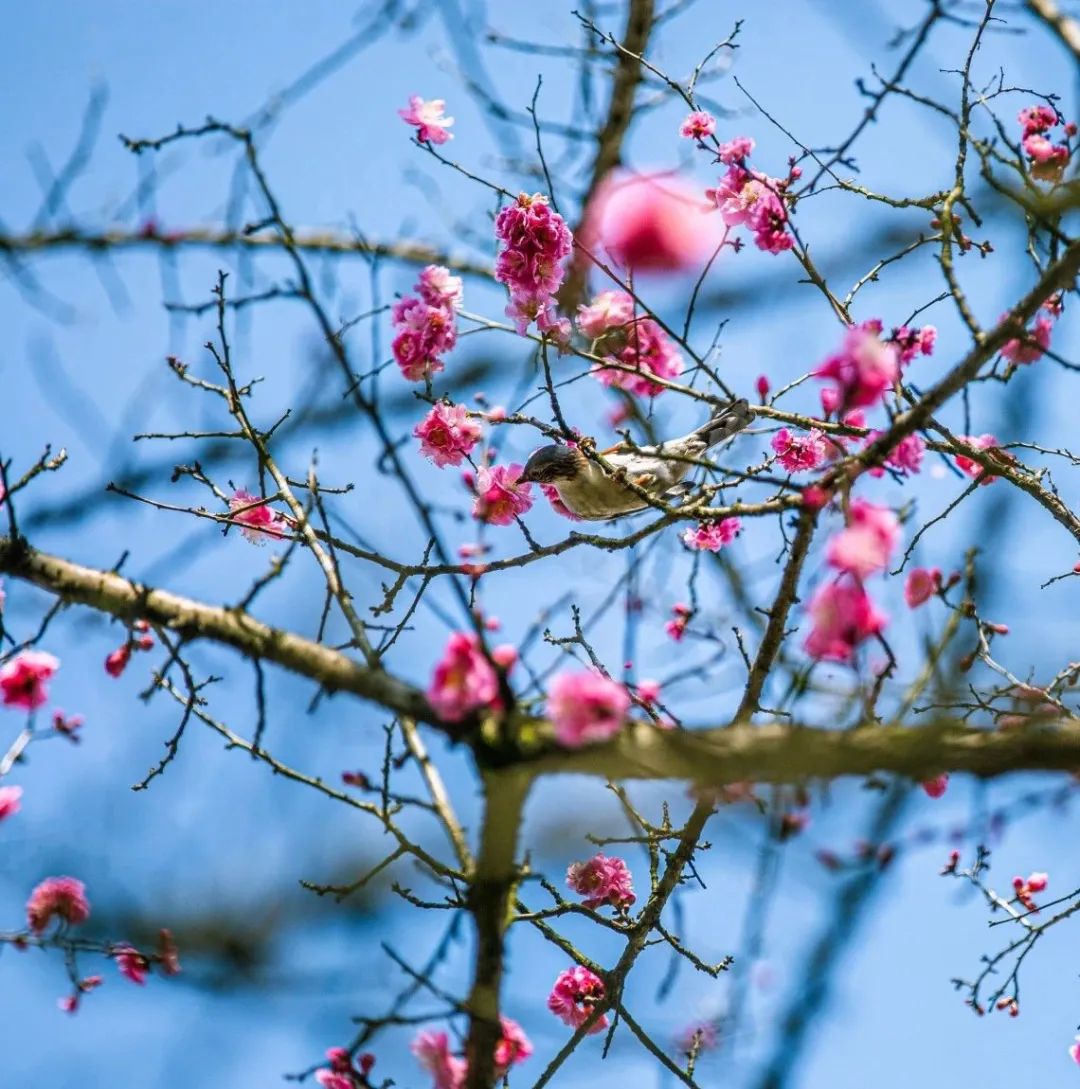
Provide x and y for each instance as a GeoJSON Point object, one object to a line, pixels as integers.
{"type": "Point", "coordinates": [749, 198]}
{"type": "Point", "coordinates": [737, 150]}
{"type": "Point", "coordinates": [426, 326]}
{"type": "Point", "coordinates": [464, 680]}
{"type": "Point", "coordinates": [712, 536]}
{"type": "Point", "coordinates": [428, 116]}
{"type": "Point", "coordinates": [636, 343]}
{"type": "Point", "coordinates": [973, 468]}
{"type": "Point", "coordinates": [10, 801]}
{"type": "Point", "coordinates": [535, 244]}
{"type": "Point", "coordinates": [649, 223]}
{"type": "Point", "coordinates": [60, 897]}
{"type": "Point", "coordinates": [797, 453]}
{"type": "Point", "coordinates": [866, 543]}
{"type": "Point", "coordinates": [23, 679]}
{"type": "Point", "coordinates": [921, 585]}
{"type": "Point", "coordinates": [864, 368]}
{"type": "Point", "coordinates": [586, 707]}
{"type": "Point", "coordinates": [575, 994]}
{"type": "Point", "coordinates": [437, 287]}
{"type": "Point", "coordinates": [698, 125]}
{"type": "Point", "coordinates": [843, 616]}
{"type": "Point", "coordinates": [1033, 344]}
{"type": "Point", "coordinates": [447, 435]}
{"type": "Point", "coordinates": [937, 786]}
{"type": "Point", "coordinates": [602, 880]}
{"type": "Point", "coordinates": [257, 521]}
{"type": "Point", "coordinates": [500, 497]}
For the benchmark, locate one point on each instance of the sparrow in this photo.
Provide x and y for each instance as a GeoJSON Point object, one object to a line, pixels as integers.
{"type": "Point", "coordinates": [595, 494]}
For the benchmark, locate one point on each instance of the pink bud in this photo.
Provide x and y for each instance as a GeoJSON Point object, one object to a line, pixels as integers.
{"type": "Point", "coordinates": [505, 655]}
{"type": "Point", "coordinates": [763, 386]}
{"type": "Point", "coordinates": [116, 663]}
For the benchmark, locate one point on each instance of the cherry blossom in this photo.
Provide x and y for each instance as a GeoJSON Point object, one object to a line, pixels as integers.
{"type": "Point", "coordinates": [576, 993]}
{"type": "Point", "coordinates": [447, 435]}
{"type": "Point", "coordinates": [63, 898]}
{"type": "Point", "coordinates": [737, 150]}
{"type": "Point", "coordinates": [921, 585]}
{"type": "Point", "coordinates": [10, 801]}
{"type": "Point", "coordinates": [428, 116]}
{"type": "Point", "coordinates": [843, 616]}
{"type": "Point", "coordinates": [1074, 1051]}
{"type": "Point", "coordinates": [602, 880]}
{"type": "Point", "coordinates": [797, 453]}
{"type": "Point", "coordinates": [23, 679]}
{"type": "Point", "coordinates": [586, 707]}
{"type": "Point", "coordinates": [712, 536]}
{"type": "Point", "coordinates": [749, 198]}
{"type": "Point", "coordinates": [1036, 118]}
{"type": "Point", "coordinates": [698, 125]}
{"type": "Point", "coordinates": [500, 497]}
{"type": "Point", "coordinates": [865, 545]}
{"type": "Point", "coordinates": [258, 522]}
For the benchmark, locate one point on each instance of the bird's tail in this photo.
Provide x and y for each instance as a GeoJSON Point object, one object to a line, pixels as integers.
{"type": "Point", "coordinates": [726, 422]}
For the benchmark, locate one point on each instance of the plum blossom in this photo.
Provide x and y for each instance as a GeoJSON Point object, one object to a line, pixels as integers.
{"type": "Point", "coordinates": [60, 897]}
{"type": "Point", "coordinates": [432, 1051]}
{"type": "Point", "coordinates": [905, 457]}
{"type": "Point", "coordinates": [513, 1046]}
{"type": "Point", "coordinates": [749, 198]}
{"type": "Point", "coordinates": [843, 616]}
{"type": "Point", "coordinates": [864, 368]}
{"type": "Point", "coordinates": [586, 707]}
{"type": "Point", "coordinates": [464, 680]}
{"type": "Point", "coordinates": [1033, 344]}
{"type": "Point", "coordinates": [638, 345]}
{"type": "Point", "coordinates": [1024, 890]}
{"type": "Point", "coordinates": [1036, 119]}
{"type": "Point", "coordinates": [936, 787]}
{"type": "Point", "coordinates": [575, 995]}
{"type": "Point", "coordinates": [1074, 1051]}
{"type": "Point", "coordinates": [972, 468]}
{"type": "Point", "coordinates": [447, 435]}
{"type": "Point", "coordinates": [132, 964]}
{"type": "Point", "coordinates": [536, 241]}
{"type": "Point", "coordinates": [649, 222]}
{"type": "Point", "coordinates": [913, 342]}
{"type": "Point", "coordinates": [437, 287]}
{"type": "Point", "coordinates": [698, 125]}
{"type": "Point", "coordinates": [712, 536]}
{"type": "Point", "coordinates": [23, 679]}
{"type": "Point", "coordinates": [428, 116]}
{"type": "Point", "coordinates": [866, 543]}
{"type": "Point", "coordinates": [426, 325]}
{"type": "Point", "coordinates": [257, 521]}
{"type": "Point", "coordinates": [680, 618]}
{"type": "Point", "coordinates": [797, 453]}
{"type": "Point", "coordinates": [602, 880]}
{"type": "Point", "coordinates": [500, 497]}
{"type": "Point", "coordinates": [921, 585]}
{"type": "Point", "coordinates": [10, 801]}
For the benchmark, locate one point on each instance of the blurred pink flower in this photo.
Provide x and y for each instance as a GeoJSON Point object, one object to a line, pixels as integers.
{"type": "Point", "coordinates": [865, 545]}
{"type": "Point", "coordinates": [432, 1050]}
{"type": "Point", "coordinates": [586, 707]}
{"type": "Point", "coordinates": [10, 801]}
{"type": "Point", "coordinates": [921, 585]}
{"type": "Point", "coordinates": [864, 368]}
{"type": "Point", "coordinates": [712, 536]}
{"type": "Point", "coordinates": [23, 679]}
{"type": "Point", "coordinates": [1034, 344]}
{"type": "Point", "coordinates": [797, 453]}
{"type": "Point", "coordinates": [843, 615]}
{"type": "Point", "coordinates": [132, 964]}
{"type": "Point", "coordinates": [60, 897]}
{"type": "Point", "coordinates": [937, 786]}
{"type": "Point", "coordinates": [428, 116]}
{"type": "Point", "coordinates": [973, 468]}
{"type": "Point", "coordinates": [464, 680]}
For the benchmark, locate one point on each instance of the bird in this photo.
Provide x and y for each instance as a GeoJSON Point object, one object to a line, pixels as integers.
{"type": "Point", "coordinates": [591, 492]}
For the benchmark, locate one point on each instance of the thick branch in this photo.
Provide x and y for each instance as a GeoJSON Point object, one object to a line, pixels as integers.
{"type": "Point", "coordinates": [1064, 26]}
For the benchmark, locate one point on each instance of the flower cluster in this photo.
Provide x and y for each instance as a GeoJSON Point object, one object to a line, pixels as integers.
{"type": "Point", "coordinates": [464, 679]}
{"type": "Point", "coordinates": [1035, 340]}
{"type": "Point", "coordinates": [432, 1051]}
{"type": "Point", "coordinates": [425, 323]}
{"type": "Point", "coordinates": [602, 880]}
{"type": "Point", "coordinates": [535, 243]}
{"type": "Point", "coordinates": [341, 1073]}
{"type": "Point", "coordinates": [447, 435]}
{"type": "Point", "coordinates": [864, 369]}
{"type": "Point", "coordinates": [576, 993]}
{"type": "Point", "coordinates": [639, 347]}
{"type": "Point", "coordinates": [23, 679]}
{"type": "Point", "coordinates": [61, 898]}
{"type": "Point", "coordinates": [912, 342]}
{"type": "Point", "coordinates": [680, 618]}
{"type": "Point", "coordinates": [258, 522]}
{"type": "Point", "coordinates": [427, 115]}
{"type": "Point", "coordinates": [1025, 889]}
{"type": "Point", "coordinates": [139, 638]}
{"type": "Point", "coordinates": [1046, 159]}
{"type": "Point", "coordinates": [500, 495]}
{"type": "Point", "coordinates": [749, 198]}
{"type": "Point", "coordinates": [712, 536]}
{"type": "Point", "coordinates": [586, 707]}
{"type": "Point", "coordinates": [797, 453]}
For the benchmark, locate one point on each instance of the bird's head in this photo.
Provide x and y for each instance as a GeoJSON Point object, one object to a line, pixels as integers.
{"type": "Point", "coordinates": [550, 464]}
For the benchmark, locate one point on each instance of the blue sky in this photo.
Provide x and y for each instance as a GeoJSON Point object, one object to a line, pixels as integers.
{"type": "Point", "coordinates": [216, 829]}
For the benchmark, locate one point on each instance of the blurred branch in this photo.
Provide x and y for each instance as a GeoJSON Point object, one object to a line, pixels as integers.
{"type": "Point", "coordinates": [1064, 26]}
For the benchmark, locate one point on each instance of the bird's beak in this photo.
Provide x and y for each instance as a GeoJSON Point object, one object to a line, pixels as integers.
{"type": "Point", "coordinates": [526, 476]}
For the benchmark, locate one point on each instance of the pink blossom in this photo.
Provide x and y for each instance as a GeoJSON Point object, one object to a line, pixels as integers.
{"type": "Point", "coordinates": [575, 995]}
{"type": "Point", "coordinates": [1048, 160]}
{"type": "Point", "coordinates": [132, 964]}
{"type": "Point", "coordinates": [432, 1050]}
{"type": "Point", "coordinates": [762, 386]}
{"type": "Point", "coordinates": [699, 125]}
{"type": "Point", "coordinates": [426, 326]}
{"type": "Point", "coordinates": [1035, 342]}
{"type": "Point", "coordinates": [649, 223]}
{"type": "Point", "coordinates": [937, 786]}
{"type": "Point", "coordinates": [866, 544]}
{"type": "Point", "coordinates": [735, 151]}
{"type": "Point", "coordinates": [1037, 882]}
{"type": "Point", "coordinates": [864, 368]}
{"type": "Point", "coordinates": [258, 523]}
{"type": "Point", "coordinates": [843, 615]}
{"type": "Point", "coordinates": [438, 288]}
{"type": "Point", "coordinates": [500, 498]}
{"type": "Point", "coordinates": [62, 897]}
{"type": "Point", "coordinates": [1036, 119]}
{"type": "Point", "coordinates": [536, 241]}
{"type": "Point", "coordinates": [905, 457]}
{"type": "Point", "coordinates": [921, 585]}
{"type": "Point", "coordinates": [797, 453]}
{"type": "Point", "coordinates": [752, 199]}
{"type": "Point", "coordinates": [815, 497]}
{"type": "Point", "coordinates": [586, 707]}
{"type": "Point", "coordinates": [973, 468]}
{"type": "Point", "coordinates": [513, 1046]}
{"type": "Point", "coordinates": [22, 679]}
{"type": "Point", "coordinates": [913, 342]}
{"type": "Point", "coordinates": [676, 626]}
{"type": "Point", "coordinates": [1074, 1051]}
{"type": "Point", "coordinates": [712, 536]}
{"type": "Point", "coordinates": [10, 801]}
{"type": "Point", "coordinates": [602, 880]}
{"type": "Point", "coordinates": [464, 680]}
{"type": "Point", "coordinates": [447, 435]}
{"type": "Point", "coordinates": [648, 691]}
{"type": "Point", "coordinates": [428, 117]}
{"type": "Point", "coordinates": [551, 493]}
{"type": "Point", "coordinates": [638, 344]}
